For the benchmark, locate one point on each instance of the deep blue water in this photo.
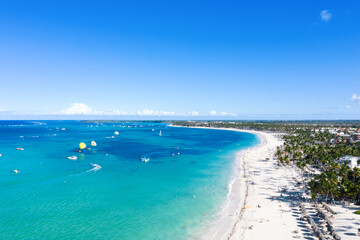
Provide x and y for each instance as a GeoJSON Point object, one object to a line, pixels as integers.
{"type": "Point", "coordinates": [173, 196]}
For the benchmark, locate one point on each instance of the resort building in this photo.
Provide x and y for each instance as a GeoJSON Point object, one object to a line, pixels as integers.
{"type": "Point", "coordinates": [351, 161]}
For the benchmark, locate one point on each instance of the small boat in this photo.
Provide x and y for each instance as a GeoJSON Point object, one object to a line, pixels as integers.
{"type": "Point", "coordinates": [116, 133]}
{"type": "Point", "coordinates": [63, 129]}
{"type": "Point", "coordinates": [88, 148]}
{"type": "Point", "coordinates": [93, 143]}
{"type": "Point", "coordinates": [77, 150]}
{"type": "Point", "coordinates": [16, 171]}
{"type": "Point", "coordinates": [0, 154]}
{"type": "Point", "coordinates": [72, 157]}
{"type": "Point", "coordinates": [20, 149]}
{"type": "Point", "coordinates": [145, 160]}
{"type": "Point", "coordinates": [95, 167]}
{"type": "Point", "coordinates": [160, 133]}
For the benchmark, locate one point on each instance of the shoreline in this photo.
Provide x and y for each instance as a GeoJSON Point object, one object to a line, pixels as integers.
{"type": "Point", "coordinates": [231, 213]}
{"type": "Point", "coordinates": [250, 212]}
{"type": "Point", "coordinates": [225, 223]}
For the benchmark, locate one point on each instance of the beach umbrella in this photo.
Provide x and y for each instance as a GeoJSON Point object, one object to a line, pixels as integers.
{"type": "Point", "coordinates": [82, 145]}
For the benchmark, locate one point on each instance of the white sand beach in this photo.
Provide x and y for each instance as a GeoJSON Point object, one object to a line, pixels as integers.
{"type": "Point", "coordinates": [255, 207]}
{"type": "Point", "coordinates": [262, 204]}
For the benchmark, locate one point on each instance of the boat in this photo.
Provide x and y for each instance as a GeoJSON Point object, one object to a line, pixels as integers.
{"type": "Point", "coordinates": [77, 150]}
{"type": "Point", "coordinates": [95, 167]}
{"type": "Point", "coordinates": [20, 149]}
{"type": "Point", "coordinates": [63, 129]}
{"type": "Point", "coordinates": [72, 157]}
{"type": "Point", "coordinates": [160, 133]}
{"type": "Point", "coordinates": [16, 171]}
{"type": "Point", "coordinates": [145, 160]}
{"type": "Point", "coordinates": [116, 133]}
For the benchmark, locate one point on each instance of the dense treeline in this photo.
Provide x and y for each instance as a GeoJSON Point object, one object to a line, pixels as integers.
{"type": "Point", "coordinates": [307, 150]}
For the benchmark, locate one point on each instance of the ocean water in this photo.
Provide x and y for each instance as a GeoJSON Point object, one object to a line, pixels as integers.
{"type": "Point", "coordinates": [175, 195]}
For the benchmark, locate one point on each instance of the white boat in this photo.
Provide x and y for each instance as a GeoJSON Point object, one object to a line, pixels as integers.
{"type": "Point", "coordinates": [20, 149]}
{"type": "Point", "coordinates": [16, 171]}
{"type": "Point", "coordinates": [116, 133]}
{"type": "Point", "coordinates": [72, 158]}
{"type": "Point", "coordinates": [145, 160]}
{"type": "Point", "coordinates": [160, 133]}
{"type": "Point", "coordinates": [63, 129]}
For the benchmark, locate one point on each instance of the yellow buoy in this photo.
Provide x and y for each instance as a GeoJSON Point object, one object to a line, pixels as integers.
{"type": "Point", "coordinates": [93, 143]}
{"type": "Point", "coordinates": [82, 145]}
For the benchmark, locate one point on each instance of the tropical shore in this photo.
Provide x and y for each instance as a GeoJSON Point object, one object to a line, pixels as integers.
{"type": "Point", "coordinates": [255, 207]}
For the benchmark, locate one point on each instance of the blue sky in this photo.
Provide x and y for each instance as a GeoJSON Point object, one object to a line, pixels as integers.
{"type": "Point", "coordinates": [180, 59]}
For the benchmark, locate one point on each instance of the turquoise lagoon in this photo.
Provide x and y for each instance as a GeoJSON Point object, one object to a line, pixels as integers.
{"type": "Point", "coordinates": [173, 196]}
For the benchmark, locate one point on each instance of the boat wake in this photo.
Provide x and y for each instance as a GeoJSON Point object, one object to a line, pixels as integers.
{"type": "Point", "coordinates": [96, 167]}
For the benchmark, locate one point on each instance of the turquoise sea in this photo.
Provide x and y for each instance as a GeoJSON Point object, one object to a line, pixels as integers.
{"type": "Point", "coordinates": [172, 196]}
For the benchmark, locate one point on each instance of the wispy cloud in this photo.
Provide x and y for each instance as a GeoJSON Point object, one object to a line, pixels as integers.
{"type": "Point", "coordinates": [148, 112]}
{"type": "Point", "coordinates": [82, 110]}
{"type": "Point", "coordinates": [347, 106]}
{"type": "Point", "coordinates": [214, 113]}
{"type": "Point", "coordinates": [193, 113]}
{"type": "Point", "coordinates": [325, 15]}
{"type": "Point", "coordinates": [355, 98]}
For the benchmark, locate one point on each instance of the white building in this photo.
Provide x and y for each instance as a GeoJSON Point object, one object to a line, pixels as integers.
{"type": "Point", "coordinates": [351, 161]}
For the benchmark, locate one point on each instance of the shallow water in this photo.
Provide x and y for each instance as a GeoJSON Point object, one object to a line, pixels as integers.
{"type": "Point", "coordinates": [172, 196]}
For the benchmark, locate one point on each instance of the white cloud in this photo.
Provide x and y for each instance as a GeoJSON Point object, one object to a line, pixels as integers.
{"type": "Point", "coordinates": [355, 98]}
{"type": "Point", "coordinates": [193, 113]}
{"type": "Point", "coordinates": [116, 112]}
{"type": "Point", "coordinates": [84, 109]}
{"type": "Point", "coordinates": [227, 114]}
{"type": "Point", "coordinates": [348, 106]}
{"type": "Point", "coordinates": [214, 113]}
{"type": "Point", "coordinates": [79, 109]}
{"type": "Point", "coordinates": [148, 112]}
{"type": "Point", "coordinates": [325, 15]}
